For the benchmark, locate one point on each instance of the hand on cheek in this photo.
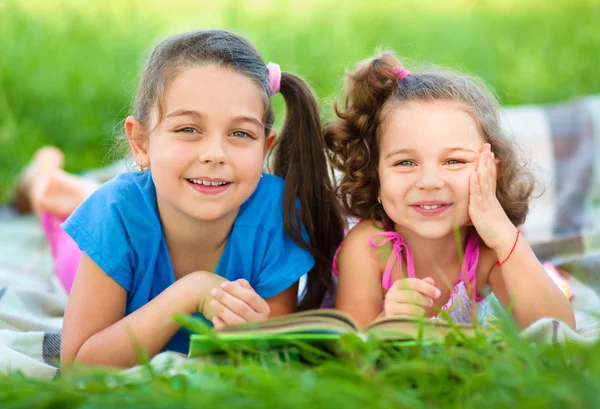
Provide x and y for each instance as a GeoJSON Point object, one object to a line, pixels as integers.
{"type": "Point", "coordinates": [486, 212]}
{"type": "Point", "coordinates": [236, 302]}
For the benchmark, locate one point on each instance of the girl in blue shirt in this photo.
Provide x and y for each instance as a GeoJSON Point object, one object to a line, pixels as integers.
{"type": "Point", "coordinates": [200, 228]}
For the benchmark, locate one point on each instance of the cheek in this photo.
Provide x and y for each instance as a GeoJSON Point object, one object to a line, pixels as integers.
{"type": "Point", "coordinates": [394, 185]}
{"type": "Point", "coordinates": [459, 184]}
{"type": "Point", "coordinates": [249, 161]}
{"type": "Point", "coordinates": [170, 153]}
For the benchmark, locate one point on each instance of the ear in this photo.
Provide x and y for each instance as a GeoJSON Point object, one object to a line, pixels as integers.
{"type": "Point", "coordinates": [270, 141]}
{"type": "Point", "coordinates": [137, 141]}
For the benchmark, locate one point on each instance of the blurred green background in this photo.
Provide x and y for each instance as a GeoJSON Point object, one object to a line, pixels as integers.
{"type": "Point", "coordinates": [68, 69]}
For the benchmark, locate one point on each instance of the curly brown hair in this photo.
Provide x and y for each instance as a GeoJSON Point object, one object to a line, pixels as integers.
{"type": "Point", "coordinates": [371, 90]}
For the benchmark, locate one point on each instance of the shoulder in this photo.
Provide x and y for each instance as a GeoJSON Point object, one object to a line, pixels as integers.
{"type": "Point", "coordinates": [264, 208]}
{"type": "Point", "coordinates": [356, 248]}
{"type": "Point", "coordinates": [125, 203]}
{"type": "Point", "coordinates": [127, 187]}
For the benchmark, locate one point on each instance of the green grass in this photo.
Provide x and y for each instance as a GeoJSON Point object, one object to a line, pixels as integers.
{"type": "Point", "coordinates": [477, 374]}
{"type": "Point", "coordinates": [68, 69]}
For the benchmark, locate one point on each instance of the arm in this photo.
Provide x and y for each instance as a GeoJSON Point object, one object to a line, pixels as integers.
{"type": "Point", "coordinates": [359, 283]}
{"type": "Point", "coordinates": [522, 283]}
{"type": "Point", "coordinates": [285, 302]}
{"type": "Point", "coordinates": [96, 331]}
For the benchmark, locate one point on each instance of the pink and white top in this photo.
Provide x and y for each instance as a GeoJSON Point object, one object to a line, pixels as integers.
{"type": "Point", "coordinates": [460, 305]}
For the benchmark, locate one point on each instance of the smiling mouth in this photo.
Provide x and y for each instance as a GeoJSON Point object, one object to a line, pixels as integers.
{"type": "Point", "coordinates": [432, 207]}
{"type": "Point", "coordinates": [204, 182]}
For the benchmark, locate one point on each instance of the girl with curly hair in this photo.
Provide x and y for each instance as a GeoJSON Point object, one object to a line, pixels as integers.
{"type": "Point", "coordinates": [440, 192]}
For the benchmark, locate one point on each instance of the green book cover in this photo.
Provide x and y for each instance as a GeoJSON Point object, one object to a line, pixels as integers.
{"type": "Point", "coordinates": [320, 328]}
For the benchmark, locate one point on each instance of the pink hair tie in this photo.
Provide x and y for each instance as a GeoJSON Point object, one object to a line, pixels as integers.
{"type": "Point", "coordinates": [274, 73]}
{"type": "Point", "coordinates": [400, 72]}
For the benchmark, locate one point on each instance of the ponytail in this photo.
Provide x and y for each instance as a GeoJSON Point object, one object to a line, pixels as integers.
{"type": "Point", "coordinates": [352, 139]}
{"type": "Point", "coordinates": [300, 158]}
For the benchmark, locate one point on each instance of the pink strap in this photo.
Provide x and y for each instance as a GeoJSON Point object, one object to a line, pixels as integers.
{"type": "Point", "coordinates": [471, 258]}
{"type": "Point", "coordinates": [397, 246]}
{"type": "Point", "coordinates": [336, 272]}
{"type": "Point", "coordinates": [468, 272]}
{"type": "Point", "coordinates": [468, 275]}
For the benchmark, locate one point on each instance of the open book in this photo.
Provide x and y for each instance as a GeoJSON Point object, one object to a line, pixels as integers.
{"type": "Point", "coordinates": [318, 327]}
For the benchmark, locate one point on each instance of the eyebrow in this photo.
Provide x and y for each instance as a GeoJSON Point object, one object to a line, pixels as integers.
{"type": "Point", "coordinates": [184, 112]}
{"type": "Point", "coordinates": [251, 119]}
{"type": "Point", "coordinates": [445, 151]}
{"type": "Point", "coordinates": [198, 115]}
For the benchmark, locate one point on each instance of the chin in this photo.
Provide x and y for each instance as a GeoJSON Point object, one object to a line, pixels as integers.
{"type": "Point", "coordinates": [210, 216]}
{"type": "Point", "coordinates": [433, 233]}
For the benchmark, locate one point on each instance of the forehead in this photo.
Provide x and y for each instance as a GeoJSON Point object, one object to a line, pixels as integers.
{"type": "Point", "coordinates": [430, 127]}
{"type": "Point", "coordinates": [214, 91]}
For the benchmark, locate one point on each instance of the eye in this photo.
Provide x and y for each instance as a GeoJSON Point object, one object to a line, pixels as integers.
{"type": "Point", "coordinates": [242, 135]}
{"type": "Point", "coordinates": [404, 163]}
{"type": "Point", "coordinates": [187, 129]}
{"type": "Point", "coordinates": [455, 162]}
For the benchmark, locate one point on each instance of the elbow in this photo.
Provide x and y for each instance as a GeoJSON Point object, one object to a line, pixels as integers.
{"type": "Point", "coordinates": [69, 357]}
{"type": "Point", "coordinates": [569, 318]}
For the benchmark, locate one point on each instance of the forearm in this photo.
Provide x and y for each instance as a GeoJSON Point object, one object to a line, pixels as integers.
{"type": "Point", "coordinates": [533, 294]}
{"type": "Point", "coordinates": [150, 327]}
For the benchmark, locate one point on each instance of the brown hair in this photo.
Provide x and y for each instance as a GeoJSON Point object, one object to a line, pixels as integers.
{"type": "Point", "coordinates": [299, 154]}
{"type": "Point", "coordinates": [371, 90]}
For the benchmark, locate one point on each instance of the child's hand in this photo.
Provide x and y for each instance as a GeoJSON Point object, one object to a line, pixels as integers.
{"type": "Point", "coordinates": [486, 213]}
{"type": "Point", "coordinates": [236, 302]}
{"type": "Point", "coordinates": [410, 297]}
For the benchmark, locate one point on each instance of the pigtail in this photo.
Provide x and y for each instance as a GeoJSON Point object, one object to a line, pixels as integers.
{"type": "Point", "coordinates": [300, 159]}
{"type": "Point", "coordinates": [352, 139]}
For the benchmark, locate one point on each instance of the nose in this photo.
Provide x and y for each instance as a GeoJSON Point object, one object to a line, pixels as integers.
{"type": "Point", "coordinates": [212, 151]}
{"type": "Point", "coordinates": [430, 179]}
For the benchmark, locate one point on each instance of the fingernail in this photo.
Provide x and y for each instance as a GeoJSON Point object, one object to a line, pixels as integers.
{"type": "Point", "coordinates": [438, 293]}
{"type": "Point", "coordinates": [213, 303]}
{"type": "Point", "coordinates": [224, 284]}
{"type": "Point", "coordinates": [214, 291]}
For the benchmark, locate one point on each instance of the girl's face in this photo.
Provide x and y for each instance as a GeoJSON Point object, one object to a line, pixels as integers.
{"type": "Point", "coordinates": [206, 155]}
{"type": "Point", "coordinates": [427, 152]}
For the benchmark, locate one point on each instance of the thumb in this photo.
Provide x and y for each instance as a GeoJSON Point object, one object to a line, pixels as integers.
{"type": "Point", "coordinates": [244, 283]}
{"type": "Point", "coordinates": [429, 280]}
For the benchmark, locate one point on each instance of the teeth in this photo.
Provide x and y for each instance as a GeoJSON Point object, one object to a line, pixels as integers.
{"type": "Point", "coordinates": [207, 182]}
{"type": "Point", "coordinates": [432, 207]}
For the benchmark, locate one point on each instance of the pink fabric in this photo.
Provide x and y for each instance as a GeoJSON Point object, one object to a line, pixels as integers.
{"type": "Point", "coordinates": [274, 77]}
{"type": "Point", "coordinates": [467, 274]}
{"type": "Point", "coordinates": [65, 252]}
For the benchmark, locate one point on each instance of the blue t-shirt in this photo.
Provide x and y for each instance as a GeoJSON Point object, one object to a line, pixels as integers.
{"type": "Point", "coordinates": [119, 228]}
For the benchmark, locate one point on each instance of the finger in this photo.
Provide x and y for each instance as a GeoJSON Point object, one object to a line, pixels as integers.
{"type": "Point", "coordinates": [226, 314]}
{"type": "Point", "coordinates": [419, 285]}
{"type": "Point", "coordinates": [408, 310]}
{"type": "Point", "coordinates": [484, 182]}
{"type": "Point", "coordinates": [474, 191]}
{"type": "Point", "coordinates": [247, 295]}
{"type": "Point", "coordinates": [244, 283]}
{"type": "Point", "coordinates": [408, 297]}
{"type": "Point", "coordinates": [493, 172]}
{"type": "Point", "coordinates": [480, 160]}
{"type": "Point", "coordinates": [234, 304]}
{"type": "Point", "coordinates": [429, 280]}
{"type": "Point", "coordinates": [218, 322]}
